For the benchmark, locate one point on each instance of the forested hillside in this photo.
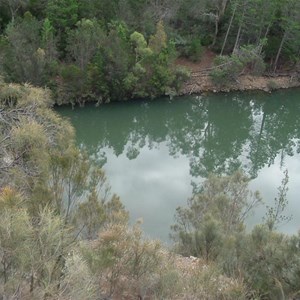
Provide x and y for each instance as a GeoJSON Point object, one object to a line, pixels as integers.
{"type": "Point", "coordinates": [104, 51]}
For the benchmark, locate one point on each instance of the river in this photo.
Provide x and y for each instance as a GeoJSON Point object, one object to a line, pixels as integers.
{"type": "Point", "coordinates": [152, 151]}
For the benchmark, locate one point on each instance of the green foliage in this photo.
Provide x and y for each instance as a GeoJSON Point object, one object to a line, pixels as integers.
{"type": "Point", "coordinates": [32, 248]}
{"type": "Point", "coordinates": [125, 259]}
{"type": "Point", "coordinates": [274, 215]}
{"type": "Point", "coordinates": [158, 41]}
{"type": "Point", "coordinates": [13, 7]}
{"type": "Point", "coordinates": [72, 86]}
{"type": "Point", "coordinates": [49, 42]}
{"type": "Point", "coordinates": [62, 14]}
{"type": "Point", "coordinates": [194, 50]}
{"type": "Point", "coordinates": [212, 228]}
{"type": "Point", "coordinates": [96, 213]}
{"type": "Point", "coordinates": [24, 60]}
{"type": "Point", "coordinates": [235, 24]}
{"type": "Point", "coordinates": [52, 194]}
{"type": "Point", "coordinates": [270, 263]}
{"type": "Point", "coordinates": [215, 212]}
{"type": "Point", "coordinates": [84, 41]}
{"type": "Point", "coordinates": [104, 10]}
{"type": "Point", "coordinates": [228, 68]}
{"type": "Point", "coordinates": [153, 64]}
{"type": "Point", "coordinates": [251, 57]}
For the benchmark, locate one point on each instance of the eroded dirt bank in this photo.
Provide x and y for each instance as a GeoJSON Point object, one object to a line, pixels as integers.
{"type": "Point", "coordinates": [199, 83]}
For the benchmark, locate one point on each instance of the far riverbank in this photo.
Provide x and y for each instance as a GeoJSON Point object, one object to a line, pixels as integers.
{"type": "Point", "coordinates": [199, 83]}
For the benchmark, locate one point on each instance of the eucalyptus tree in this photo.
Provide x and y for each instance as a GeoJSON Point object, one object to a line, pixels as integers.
{"type": "Point", "coordinates": [215, 10]}
{"type": "Point", "coordinates": [62, 14]}
{"type": "Point", "coordinates": [24, 59]}
{"type": "Point", "coordinates": [105, 10]}
{"type": "Point", "coordinates": [14, 6]}
{"type": "Point", "coordinates": [290, 27]}
{"type": "Point", "coordinates": [252, 21]}
{"type": "Point", "coordinates": [84, 41]}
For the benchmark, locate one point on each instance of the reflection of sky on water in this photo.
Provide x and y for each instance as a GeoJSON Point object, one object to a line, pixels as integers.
{"type": "Point", "coordinates": [151, 186]}
{"type": "Point", "coordinates": [155, 183]}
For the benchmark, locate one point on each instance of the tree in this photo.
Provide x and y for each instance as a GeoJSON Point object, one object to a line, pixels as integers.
{"type": "Point", "coordinates": [14, 235]}
{"type": "Point", "coordinates": [84, 42]}
{"type": "Point", "coordinates": [252, 21]}
{"type": "Point", "coordinates": [104, 10]}
{"type": "Point", "coordinates": [229, 68]}
{"type": "Point", "coordinates": [269, 263]}
{"type": "Point", "coordinates": [32, 250]}
{"type": "Point", "coordinates": [24, 59]}
{"type": "Point", "coordinates": [96, 213]}
{"type": "Point", "coordinates": [215, 11]}
{"type": "Point", "coordinates": [49, 42]}
{"type": "Point", "coordinates": [290, 21]}
{"type": "Point", "coordinates": [26, 135]}
{"type": "Point", "coordinates": [14, 6]}
{"type": "Point", "coordinates": [215, 212]}
{"type": "Point", "coordinates": [158, 41]}
{"type": "Point", "coordinates": [62, 14]}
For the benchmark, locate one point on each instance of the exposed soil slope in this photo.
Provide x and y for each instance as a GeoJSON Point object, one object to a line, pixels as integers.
{"type": "Point", "coordinates": [200, 81]}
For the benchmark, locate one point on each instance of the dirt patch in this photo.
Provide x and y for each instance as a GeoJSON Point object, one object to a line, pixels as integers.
{"type": "Point", "coordinates": [200, 84]}
{"type": "Point", "coordinates": [206, 62]}
{"type": "Point", "coordinates": [200, 81]}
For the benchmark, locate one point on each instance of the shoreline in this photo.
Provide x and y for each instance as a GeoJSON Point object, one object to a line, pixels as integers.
{"type": "Point", "coordinates": [199, 83]}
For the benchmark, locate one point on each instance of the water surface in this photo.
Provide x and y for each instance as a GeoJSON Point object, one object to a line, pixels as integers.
{"type": "Point", "coordinates": [153, 150]}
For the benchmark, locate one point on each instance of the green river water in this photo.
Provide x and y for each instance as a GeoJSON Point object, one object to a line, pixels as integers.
{"type": "Point", "coordinates": [153, 150]}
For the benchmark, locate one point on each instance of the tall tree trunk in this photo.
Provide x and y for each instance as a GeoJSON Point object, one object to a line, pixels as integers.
{"type": "Point", "coordinates": [240, 28]}
{"type": "Point", "coordinates": [265, 36]}
{"type": "Point", "coordinates": [217, 18]}
{"type": "Point", "coordinates": [223, 8]}
{"type": "Point", "coordinates": [237, 38]}
{"type": "Point", "coordinates": [279, 50]}
{"type": "Point", "coordinates": [228, 29]}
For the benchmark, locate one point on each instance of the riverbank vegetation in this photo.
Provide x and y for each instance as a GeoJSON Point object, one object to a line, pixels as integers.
{"type": "Point", "coordinates": [105, 51]}
{"type": "Point", "coordinates": [65, 235]}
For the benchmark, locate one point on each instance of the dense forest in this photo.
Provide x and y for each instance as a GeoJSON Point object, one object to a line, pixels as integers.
{"type": "Point", "coordinates": [104, 51]}
{"type": "Point", "coordinates": [63, 233]}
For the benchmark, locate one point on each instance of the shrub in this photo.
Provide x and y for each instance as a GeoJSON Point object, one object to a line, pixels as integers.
{"type": "Point", "coordinates": [228, 68]}
{"type": "Point", "coordinates": [195, 50]}
{"type": "Point", "coordinates": [123, 260]}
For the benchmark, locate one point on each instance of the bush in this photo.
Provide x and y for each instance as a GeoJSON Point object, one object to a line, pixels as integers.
{"type": "Point", "coordinates": [214, 213]}
{"type": "Point", "coordinates": [195, 50]}
{"type": "Point", "coordinates": [228, 68]}
{"type": "Point", "coordinates": [123, 260]}
{"type": "Point", "coordinates": [270, 263]}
